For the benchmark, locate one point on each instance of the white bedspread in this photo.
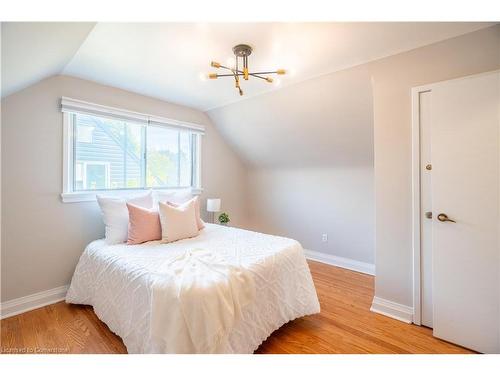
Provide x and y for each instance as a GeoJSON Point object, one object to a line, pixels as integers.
{"type": "Point", "coordinates": [119, 282]}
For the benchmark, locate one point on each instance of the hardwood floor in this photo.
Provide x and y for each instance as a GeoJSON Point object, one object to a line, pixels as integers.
{"type": "Point", "coordinates": [345, 325]}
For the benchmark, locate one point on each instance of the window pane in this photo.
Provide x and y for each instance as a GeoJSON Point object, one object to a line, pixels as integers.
{"type": "Point", "coordinates": [96, 176]}
{"type": "Point", "coordinates": [185, 159]}
{"type": "Point", "coordinates": [108, 154]}
{"type": "Point", "coordinates": [134, 156]}
{"type": "Point", "coordinates": [162, 157]}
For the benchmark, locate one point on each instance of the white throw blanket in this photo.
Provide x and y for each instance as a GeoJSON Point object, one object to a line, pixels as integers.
{"type": "Point", "coordinates": [197, 302]}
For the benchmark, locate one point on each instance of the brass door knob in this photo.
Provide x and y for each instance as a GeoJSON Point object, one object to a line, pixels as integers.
{"type": "Point", "coordinates": [444, 217]}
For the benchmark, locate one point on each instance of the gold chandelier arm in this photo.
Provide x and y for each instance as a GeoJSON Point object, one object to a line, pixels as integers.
{"type": "Point", "coordinates": [229, 75]}
{"type": "Point", "coordinates": [237, 81]}
{"type": "Point", "coordinates": [227, 68]}
{"type": "Point", "coordinates": [279, 72]}
{"type": "Point", "coordinates": [241, 74]}
{"type": "Point", "coordinates": [268, 79]}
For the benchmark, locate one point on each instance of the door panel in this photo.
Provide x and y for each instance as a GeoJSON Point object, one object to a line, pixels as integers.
{"type": "Point", "coordinates": [465, 186]}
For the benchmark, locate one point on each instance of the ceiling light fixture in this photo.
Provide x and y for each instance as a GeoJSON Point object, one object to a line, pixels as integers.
{"type": "Point", "coordinates": [242, 51]}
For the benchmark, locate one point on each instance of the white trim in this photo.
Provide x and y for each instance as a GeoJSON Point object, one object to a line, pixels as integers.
{"type": "Point", "coordinates": [416, 219]}
{"type": "Point", "coordinates": [392, 310]}
{"type": "Point", "coordinates": [198, 161]}
{"type": "Point", "coordinates": [167, 122]}
{"type": "Point", "coordinates": [69, 105]}
{"type": "Point", "coordinates": [350, 264]}
{"type": "Point", "coordinates": [33, 301]}
{"type": "Point", "coordinates": [67, 182]}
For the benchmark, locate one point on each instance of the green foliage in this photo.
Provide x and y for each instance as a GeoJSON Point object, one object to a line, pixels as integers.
{"type": "Point", "coordinates": [224, 218]}
{"type": "Point", "coordinates": [161, 168]}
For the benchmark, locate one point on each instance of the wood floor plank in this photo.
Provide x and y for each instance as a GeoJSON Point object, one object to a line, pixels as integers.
{"type": "Point", "coordinates": [345, 325]}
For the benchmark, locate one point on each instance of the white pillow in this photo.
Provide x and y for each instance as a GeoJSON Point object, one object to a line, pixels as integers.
{"type": "Point", "coordinates": [178, 222]}
{"type": "Point", "coordinates": [115, 215]}
{"type": "Point", "coordinates": [176, 196]}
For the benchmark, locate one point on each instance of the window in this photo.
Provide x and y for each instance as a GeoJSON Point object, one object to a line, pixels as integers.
{"type": "Point", "coordinates": [114, 154]}
{"type": "Point", "coordinates": [110, 151]}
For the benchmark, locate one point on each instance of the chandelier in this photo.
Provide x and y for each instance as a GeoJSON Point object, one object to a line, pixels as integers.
{"type": "Point", "coordinates": [242, 51]}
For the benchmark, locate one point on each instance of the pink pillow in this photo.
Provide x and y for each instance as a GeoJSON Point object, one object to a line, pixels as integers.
{"type": "Point", "coordinates": [177, 223]}
{"type": "Point", "coordinates": [144, 225]}
{"type": "Point", "coordinates": [197, 211]}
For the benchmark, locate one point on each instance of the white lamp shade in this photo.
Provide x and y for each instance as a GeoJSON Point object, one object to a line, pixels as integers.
{"type": "Point", "coordinates": [213, 205]}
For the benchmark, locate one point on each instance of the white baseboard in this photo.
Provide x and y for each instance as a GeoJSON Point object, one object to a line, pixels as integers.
{"type": "Point", "coordinates": [33, 301]}
{"type": "Point", "coordinates": [334, 260]}
{"type": "Point", "coordinates": [392, 309]}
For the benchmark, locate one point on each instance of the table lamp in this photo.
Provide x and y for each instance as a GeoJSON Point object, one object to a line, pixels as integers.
{"type": "Point", "coordinates": [213, 206]}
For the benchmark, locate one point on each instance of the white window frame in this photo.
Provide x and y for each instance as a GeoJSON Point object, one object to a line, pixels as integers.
{"type": "Point", "coordinates": [72, 106]}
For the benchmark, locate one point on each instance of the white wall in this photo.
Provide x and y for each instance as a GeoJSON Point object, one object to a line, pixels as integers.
{"type": "Point", "coordinates": [42, 238]}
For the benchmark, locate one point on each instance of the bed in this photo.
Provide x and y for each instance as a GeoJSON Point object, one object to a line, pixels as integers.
{"type": "Point", "coordinates": [117, 281]}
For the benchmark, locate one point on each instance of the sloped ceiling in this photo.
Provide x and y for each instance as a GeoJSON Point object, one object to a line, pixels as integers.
{"type": "Point", "coordinates": [165, 60]}
{"type": "Point", "coordinates": [32, 51]}
{"type": "Point", "coordinates": [329, 125]}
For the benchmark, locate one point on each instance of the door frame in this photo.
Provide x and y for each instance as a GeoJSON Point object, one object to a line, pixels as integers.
{"type": "Point", "coordinates": [415, 167]}
{"type": "Point", "coordinates": [416, 217]}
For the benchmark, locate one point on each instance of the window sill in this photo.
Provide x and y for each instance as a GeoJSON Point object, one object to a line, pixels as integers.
{"type": "Point", "coordinates": [87, 196]}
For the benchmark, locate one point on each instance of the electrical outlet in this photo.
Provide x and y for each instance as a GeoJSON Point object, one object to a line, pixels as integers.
{"type": "Point", "coordinates": [324, 237]}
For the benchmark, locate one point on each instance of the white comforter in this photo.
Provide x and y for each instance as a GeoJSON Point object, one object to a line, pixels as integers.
{"type": "Point", "coordinates": [119, 280]}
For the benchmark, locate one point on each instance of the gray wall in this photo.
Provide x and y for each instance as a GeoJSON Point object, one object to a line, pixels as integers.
{"type": "Point", "coordinates": [42, 238]}
{"type": "Point", "coordinates": [304, 203]}
{"type": "Point", "coordinates": [309, 148]}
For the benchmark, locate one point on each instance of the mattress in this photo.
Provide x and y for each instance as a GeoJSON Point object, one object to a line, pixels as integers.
{"type": "Point", "coordinates": [117, 281]}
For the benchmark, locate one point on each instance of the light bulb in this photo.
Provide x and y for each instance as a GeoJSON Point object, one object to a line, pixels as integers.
{"type": "Point", "coordinates": [203, 77]}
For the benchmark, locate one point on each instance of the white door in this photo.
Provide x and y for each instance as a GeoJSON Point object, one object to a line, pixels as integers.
{"type": "Point", "coordinates": [465, 188]}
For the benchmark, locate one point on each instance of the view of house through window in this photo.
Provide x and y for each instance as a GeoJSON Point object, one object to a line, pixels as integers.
{"type": "Point", "coordinates": [114, 154]}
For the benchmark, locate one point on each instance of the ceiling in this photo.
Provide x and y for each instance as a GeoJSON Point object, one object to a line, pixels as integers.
{"type": "Point", "coordinates": [165, 60]}
{"type": "Point", "coordinates": [32, 51]}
